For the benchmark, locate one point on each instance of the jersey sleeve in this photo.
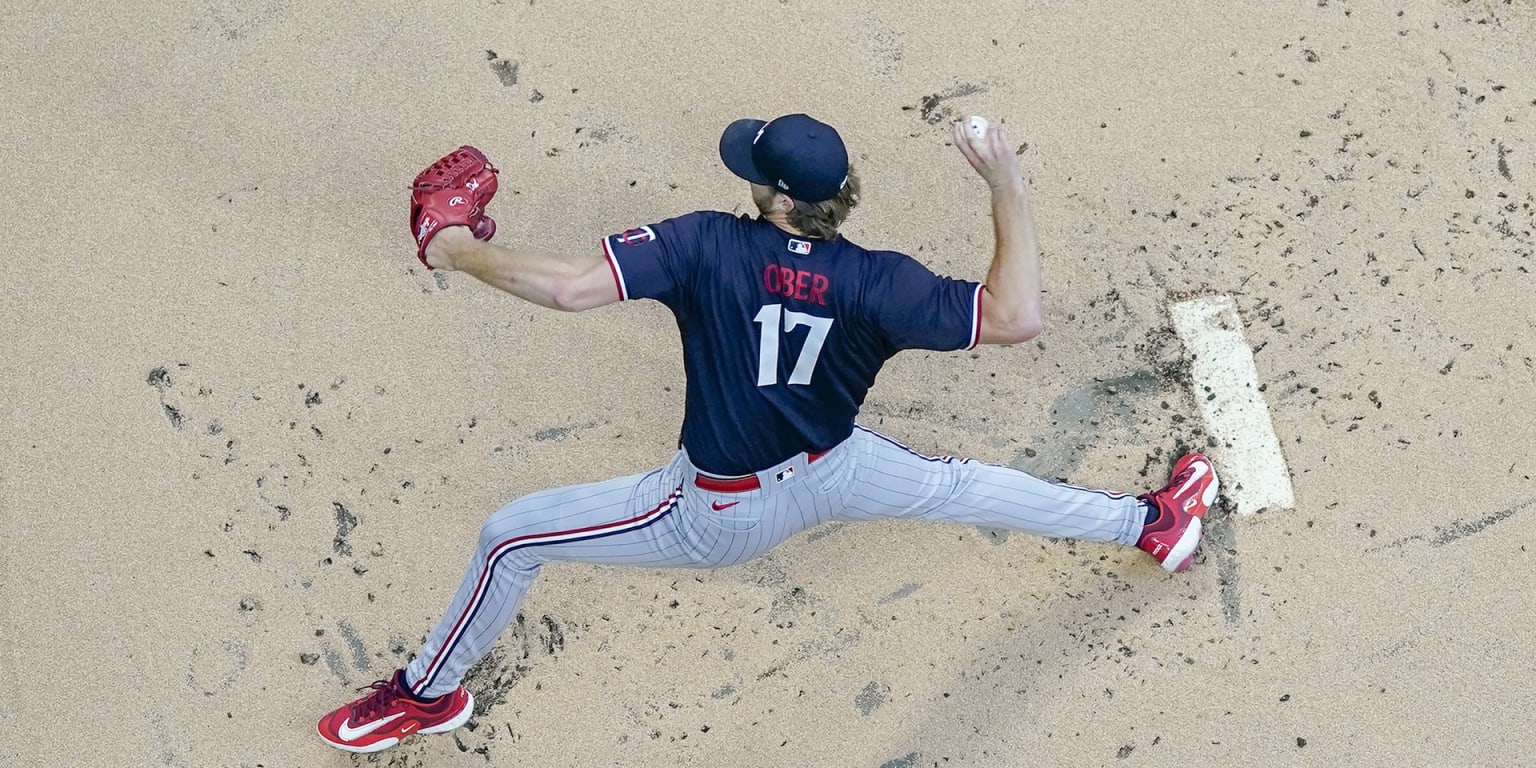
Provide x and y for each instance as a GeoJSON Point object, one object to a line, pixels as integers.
{"type": "Point", "coordinates": [920, 310]}
{"type": "Point", "coordinates": [655, 261]}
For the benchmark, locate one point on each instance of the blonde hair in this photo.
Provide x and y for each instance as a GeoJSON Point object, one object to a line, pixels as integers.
{"type": "Point", "coordinates": [821, 220]}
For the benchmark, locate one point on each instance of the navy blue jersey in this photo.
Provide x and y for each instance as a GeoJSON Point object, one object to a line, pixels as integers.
{"type": "Point", "coordinates": [783, 335]}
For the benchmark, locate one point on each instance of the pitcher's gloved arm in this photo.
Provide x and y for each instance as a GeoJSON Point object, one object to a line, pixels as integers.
{"type": "Point", "coordinates": [558, 281]}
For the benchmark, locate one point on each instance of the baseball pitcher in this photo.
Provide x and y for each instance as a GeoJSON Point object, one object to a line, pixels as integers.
{"type": "Point", "coordinates": [784, 325]}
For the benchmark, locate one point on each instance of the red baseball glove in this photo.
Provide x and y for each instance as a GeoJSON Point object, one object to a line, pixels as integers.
{"type": "Point", "coordinates": [453, 192]}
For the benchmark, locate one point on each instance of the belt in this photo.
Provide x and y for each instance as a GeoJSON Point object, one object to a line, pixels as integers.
{"type": "Point", "coordinates": [740, 484]}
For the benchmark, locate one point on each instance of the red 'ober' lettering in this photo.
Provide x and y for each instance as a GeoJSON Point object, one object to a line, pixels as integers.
{"type": "Point", "coordinates": [796, 284]}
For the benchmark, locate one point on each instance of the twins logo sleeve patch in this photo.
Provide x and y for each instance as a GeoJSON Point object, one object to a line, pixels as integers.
{"type": "Point", "coordinates": [656, 261]}
{"type": "Point", "coordinates": [637, 236]}
{"type": "Point", "coordinates": [625, 240]}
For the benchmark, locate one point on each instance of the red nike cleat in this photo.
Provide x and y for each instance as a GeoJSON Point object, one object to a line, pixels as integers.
{"type": "Point", "coordinates": [1174, 535]}
{"type": "Point", "coordinates": [382, 718]}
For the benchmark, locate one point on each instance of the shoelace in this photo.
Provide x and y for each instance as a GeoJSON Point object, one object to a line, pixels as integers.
{"type": "Point", "coordinates": [384, 694]}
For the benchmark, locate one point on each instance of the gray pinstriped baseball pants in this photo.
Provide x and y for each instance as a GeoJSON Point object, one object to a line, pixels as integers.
{"type": "Point", "coordinates": [661, 518]}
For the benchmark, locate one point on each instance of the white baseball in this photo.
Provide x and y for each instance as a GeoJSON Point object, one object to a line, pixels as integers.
{"type": "Point", "coordinates": [978, 126]}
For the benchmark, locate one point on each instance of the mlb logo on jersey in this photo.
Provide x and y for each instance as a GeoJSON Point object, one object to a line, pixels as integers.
{"type": "Point", "coordinates": [639, 236]}
{"type": "Point", "coordinates": [799, 246]}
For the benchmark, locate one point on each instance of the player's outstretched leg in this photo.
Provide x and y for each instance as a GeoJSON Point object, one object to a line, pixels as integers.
{"type": "Point", "coordinates": [1173, 535]}
{"type": "Point", "coordinates": [622, 520]}
{"type": "Point", "coordinates": [382, 718]}
{"type": "Point", "coordinates": [655, 519]}
{"type": "Point", "coordinates": [895, 481]}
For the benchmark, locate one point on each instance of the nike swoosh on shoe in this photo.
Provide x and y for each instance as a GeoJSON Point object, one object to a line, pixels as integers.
{"type": "Point", "coordinates": [348, 733]}
{"type": "Point", "coordinates": [1198, 470]}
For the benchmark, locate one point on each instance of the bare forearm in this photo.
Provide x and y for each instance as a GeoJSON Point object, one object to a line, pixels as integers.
{"type": "Point", "coordinates": [1010, 304]}
{"type": "Point", "coordinates": [526, 276]}
{"type": "Point", "coordinates": [1013, 279]}
{"type": "Point", "coordinates": [547, 279]}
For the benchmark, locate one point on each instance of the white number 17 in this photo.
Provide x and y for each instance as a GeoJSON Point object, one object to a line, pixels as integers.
{"type": "Point", "coordinates": [768, 343]}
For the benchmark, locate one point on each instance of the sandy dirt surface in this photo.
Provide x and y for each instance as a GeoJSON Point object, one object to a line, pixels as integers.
{"type": "Point", "coordinates": [249, 441]}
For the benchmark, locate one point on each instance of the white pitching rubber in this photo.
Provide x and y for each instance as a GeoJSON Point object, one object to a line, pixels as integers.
{"type": "Point", "coordinates": [1232, 405]}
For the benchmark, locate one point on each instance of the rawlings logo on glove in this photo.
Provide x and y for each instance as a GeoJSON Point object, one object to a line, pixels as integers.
{"type": "Point", "coordinates": [453, 192]}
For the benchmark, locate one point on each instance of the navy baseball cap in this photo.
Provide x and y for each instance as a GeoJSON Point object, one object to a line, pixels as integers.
{"type": "Point", "coordinates": [795, 154]}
